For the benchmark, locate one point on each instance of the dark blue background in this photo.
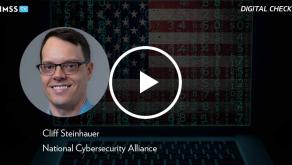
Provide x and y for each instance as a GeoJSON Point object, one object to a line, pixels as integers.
{"type": "Point", "coordinates": [22, 123]}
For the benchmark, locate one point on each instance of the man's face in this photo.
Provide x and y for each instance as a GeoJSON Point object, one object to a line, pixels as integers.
{"type": "Point", "coordinates": [62, 90]}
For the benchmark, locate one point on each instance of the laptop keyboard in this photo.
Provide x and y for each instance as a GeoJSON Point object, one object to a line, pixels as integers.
{"type": "Point", "coordinates": [168, 153]}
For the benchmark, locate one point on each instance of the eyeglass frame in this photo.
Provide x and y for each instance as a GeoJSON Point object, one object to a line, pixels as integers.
{"type": "Point", "coordinates": [56, 65]}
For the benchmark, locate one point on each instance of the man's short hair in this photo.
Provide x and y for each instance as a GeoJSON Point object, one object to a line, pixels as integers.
{"type": "Point", "coordinates": [71, 36]}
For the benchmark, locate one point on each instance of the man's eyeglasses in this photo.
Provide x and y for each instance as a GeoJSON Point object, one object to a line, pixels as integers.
{"type": "Point", "coordinates": [67, 67]}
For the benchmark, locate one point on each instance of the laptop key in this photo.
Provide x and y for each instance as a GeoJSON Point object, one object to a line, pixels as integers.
{"type": "Point", "coordinates": [158, 162]}
{"type": "Point", "coordinates": [145, 162]}
{"type": "Point", "coordinates": [133, 162]}
{"type": "Point", "coordinates": [209, 162]}
{"type": "Point", "coordinates": [196, 162]}
{"type": "Point", "coordinates": [108, 162]}
{"type": "Point", "coordinates": [170, 153]}
{"type": "Point", "coordinates": [67, 161]}
{"type": "Point", "coordinates": [82, 162]}
{"type": "Point", "coordinates": [172, 162]}
{"type": "Point", "coordinates": [229, 162]}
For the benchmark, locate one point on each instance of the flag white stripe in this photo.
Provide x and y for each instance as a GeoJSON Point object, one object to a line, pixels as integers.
{"type": "Point", "coordinates": [188, 84]}
{"type": "Point", "coordinates": [191, 14]}
{"type": "Point", "coordinates": [197, 38]}
{"type": "Point", "coordinates": [181, 106]}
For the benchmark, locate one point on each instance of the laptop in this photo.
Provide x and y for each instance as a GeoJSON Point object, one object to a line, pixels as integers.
{"type": "Point", "coordinates": [209, 122]}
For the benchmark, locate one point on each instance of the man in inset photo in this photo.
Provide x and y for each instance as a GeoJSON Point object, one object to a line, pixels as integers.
{"type": "Point", "coordinates": [65, 69]}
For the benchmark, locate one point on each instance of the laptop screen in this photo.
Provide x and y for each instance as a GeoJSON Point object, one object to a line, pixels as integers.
{"type": "Point", "coordinates": [209, 40]}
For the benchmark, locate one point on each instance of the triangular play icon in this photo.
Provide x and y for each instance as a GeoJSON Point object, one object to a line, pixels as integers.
{"type": "Point", "coordinates": [146, 82]}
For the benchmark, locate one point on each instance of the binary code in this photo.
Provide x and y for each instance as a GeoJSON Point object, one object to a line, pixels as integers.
{"type": "Point", "coordinates": [210, 40]}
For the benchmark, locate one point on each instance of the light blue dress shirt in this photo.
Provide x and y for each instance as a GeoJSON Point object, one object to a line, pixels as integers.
{"type": "Point", "coordinates": [85, 107]}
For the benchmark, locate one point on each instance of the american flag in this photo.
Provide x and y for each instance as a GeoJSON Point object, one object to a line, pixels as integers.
{"type": "Point", "coordinates": [209, 39]}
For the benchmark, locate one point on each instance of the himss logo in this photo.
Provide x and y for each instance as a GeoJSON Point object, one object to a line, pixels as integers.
{"type": "Point", "coordinates": [14, 9]}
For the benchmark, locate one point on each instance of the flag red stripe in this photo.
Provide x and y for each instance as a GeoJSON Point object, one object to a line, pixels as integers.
{"type": "Point", "coordinates": [162, 4]}
{"type": "Point", "coordinates": [198, 118]}
{"type": "Point", "coordinates": [199, 26]}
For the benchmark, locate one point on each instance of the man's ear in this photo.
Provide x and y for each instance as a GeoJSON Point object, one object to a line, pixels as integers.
{"type": "Point", "coordinates": [89, 70]}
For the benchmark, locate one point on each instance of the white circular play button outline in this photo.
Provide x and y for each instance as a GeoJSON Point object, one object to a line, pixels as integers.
{"type": "Point", "coordinates": [177, 93]}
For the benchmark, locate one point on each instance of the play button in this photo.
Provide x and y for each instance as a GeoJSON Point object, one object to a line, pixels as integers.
{"type": "Point", "coordinates": [146, 82]}
{"type": "Point", "coordinates": [131, 96]}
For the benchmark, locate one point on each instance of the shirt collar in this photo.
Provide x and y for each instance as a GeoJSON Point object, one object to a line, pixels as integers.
{"type": "Point", "coordinates": [84, 108]}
